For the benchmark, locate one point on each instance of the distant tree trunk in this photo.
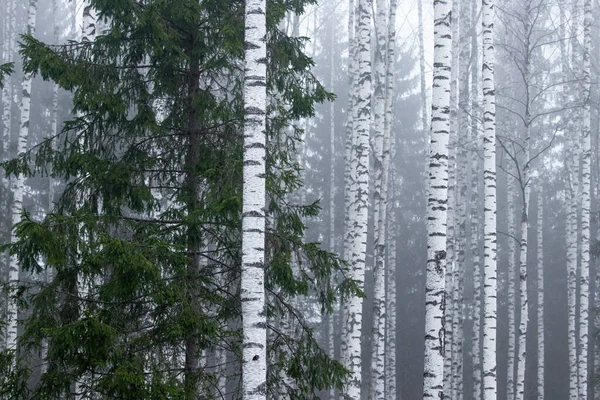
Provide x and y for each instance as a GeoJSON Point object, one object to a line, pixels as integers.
{"type": "Point", "coordinates": [450, 279]}
{"type": "Point", "coordinates": [254, 324]}
{"type": "Point", "coordinates": [540, 297]}
{"type": "Point", "coordinates": [489, 209]}
{"type": "Point", "coordinates": [7, 98]}
{"type": "Point", "coordinates": [433, 377]}
{"type": "Point", "coordinates": [349, 129]}
{"type": "Point", "coordinates": [570, 228]}
{"type": "Point", "coordinates": [19, 184]}
{"type": "Point", "coordinates": [423, 87]}
{"type": "Point", "coordinates": [461, 195]}
{"type": "Point", "coordinates": [348, 179]}
{"type": "Point", "coordinates": [585, 206]}
{"type": "Point", "coordinates": [381, 162]}
{"type": "Point", "coordinates": [475, 225]}
{"type": "Point", "coordinates": [53, 132]}
{"type": "Point", "coordinates": [390, 330]}
{"type": "Point", "coordinates": [332, 192]}
{"type": "Point", "coordinates": [359, 196]}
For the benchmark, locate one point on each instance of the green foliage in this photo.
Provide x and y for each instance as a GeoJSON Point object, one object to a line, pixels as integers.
{"type": "Point", "coordinates": [5, 69]}
{"type": "Point", "coordinates": [144, 243]}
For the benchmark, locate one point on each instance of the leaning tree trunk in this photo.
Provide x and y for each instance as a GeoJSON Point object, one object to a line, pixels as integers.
{"type": "Point", "coordinates": [359, 176]}
{"type": "Point", "coordinates": [390, 330]}
{"type": "Point", "coordinates": [381, 162]}
{"type": "Point", "coordinates": [433, 377]}
{"type": "Point", "coordinates": [19, 185]}
{"type": "Point", "coordinates": [584, 300]}
{"type": "Point", "coordinates": [254, 324]}
{"type": "Point", "coordinates": [489, 209]}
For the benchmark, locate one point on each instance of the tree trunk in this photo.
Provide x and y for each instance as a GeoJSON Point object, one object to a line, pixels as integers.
{"type": "Point", "coordinates": [348, 182]}
{"type": "Point", "coordinates": [332, 192]}
{"type": "Point", "coordinates": [19, 184]}
{"type": "Point", "coordinates": [390, 330]}
{"type": "Point", "coordinates": [585, 207]}
{"type": "Point", "coordinates": [475, 225]}
{"type": "Point", "coordinates": [489, 208]}
{"type": "Point", "coordinates": [512, 266]}
{"type": "Point", "coordinates": [381, 159]}
{"type": "Point", "coordinates": [433, 377]}
{"type": "Point", "coordinates": [254, 324]}
{"type": "Point", "coordinates": [359, 196]}
{"type": "Point", "coordinates": [451, 288]}
{"type": "Point", "coordinates": [540, 297]}
{"type": "Point", "coordinates": [423, 87]}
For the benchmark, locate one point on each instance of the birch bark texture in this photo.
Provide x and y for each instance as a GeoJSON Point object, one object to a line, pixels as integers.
{"type": "Point", "coordinates": [512, 257]}
{"type": "Point", "coordinates": [450, 280]}
{"type": "Point", "coordinates": [540, 296]}
{"type": "Point", "coordinates": [359, 181]}
{"type": "Point", "coordinates": [584, 279]}
{"type": "Point", "coordinates": [19, 184]}
{"type": "Point", "coordinates": [475, 226]}
{"type": "Point", "coordinates": [390, 268]}
{"type": "Point", "coordinates": [435, 302]}
{"type": "Point", "coordinates": [490, 300]}
{"type": "Point", "coordinates": [381, 172]}
{"type": "Point", "coordinates": [254, 323]}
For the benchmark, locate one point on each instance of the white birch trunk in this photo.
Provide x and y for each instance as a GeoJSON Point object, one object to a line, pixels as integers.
{"type": "Point", "coordinates": [540, 297]}
{"type": "Point", "coordinates": [7, 99]}
{"type": "Point", "coordinates": [524, 309]}
{"type": "Point", "coordinates": [348, 183]}
{"type": "Point", "coordinates": [475, 225]}
{"type": "Point", "coordinates": [512, 266]}
{"type": "Point", "coordinates": [381, 138]}
{"type": "Point", "coordinates": [489, 176]}
{"type": "Point", "coordinates": [254, 323]}
{"type": "Point", "coordinates": [584, 301]}
{"type": "Point", "coordinates": [390, 331]}
{"type": "Point", "coordinates": [570, 227]}
{"type": "Point", "coordinates": [359, 206]}
{"type": "Point", "coordinates": [451, 289]}
{"type": "Point", "coordinates": [349, 130]}
{"type": "Point", "coordinates": [19, 184]}
{"type": "Point", "coordinates": [435, 302]}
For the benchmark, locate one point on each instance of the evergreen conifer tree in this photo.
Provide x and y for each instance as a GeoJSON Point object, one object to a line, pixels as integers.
{"type": "Point", "coordinates": [150, 218]}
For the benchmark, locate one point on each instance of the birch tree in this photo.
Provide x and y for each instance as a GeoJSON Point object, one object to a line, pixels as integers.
{"type": "Point", "coordinates": [254, 365]}
{"type": "Point", "coordinates": [489, 208]}
{"type": "Point", "coordinates": [390, 330]}
{"type": "Point", "coordinates": [381, 172]}
{"type": "Point", "coordinates": [359, 176]}
{"type": "Point", "coordinates": [540, 296]}
{"type": "Point", "coordinates": [585, 205]}
{"type": "Point", "coordinates": [433, 385]}
{"type": "Point", "coordinates": [475, 215]}
{"type": "Point", "coordinates": [19, 183]}
{"type": "Point", "coordinates": [451, 277]}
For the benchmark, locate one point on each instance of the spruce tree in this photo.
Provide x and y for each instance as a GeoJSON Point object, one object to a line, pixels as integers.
{"type": "Point", "coordinates": [145, 240]}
